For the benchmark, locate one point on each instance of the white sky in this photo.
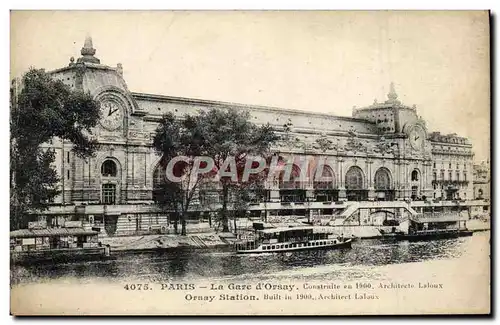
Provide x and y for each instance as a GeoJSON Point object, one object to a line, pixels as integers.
{"type": "Point", "coordinates": [315, 61]}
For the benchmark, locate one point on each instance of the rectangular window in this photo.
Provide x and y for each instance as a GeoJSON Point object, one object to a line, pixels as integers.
{"type": "Point", "coordinates": [449, 165]}
{"type": "Point", "coordinates": [449, 176]}
{"type": "Point", "coordinates": [458, 176]}
{"type": "Point", "coordinates": [67, 157]}
{"type": "Point", "coordinates": [434, 164]}
{"type": "Point", "coordinates": [67, 174]}
{"type": "Point", "coordinates": [465, 176]}
{"type": "Point", "coordinates": [108, 193]}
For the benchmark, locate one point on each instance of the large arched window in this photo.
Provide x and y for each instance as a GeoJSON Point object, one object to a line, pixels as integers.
{"type": "Point", "coordinates": [108, 168]}
{"type": "Point", "coordinates": [291, 182]}
{"type": "Point", "coordinates": [382, 179]}
{"type": "Point", "coordinates": [326, 181]}
{"type": "Point", "coordinates": [291, 189]}
{"type": "Point", "coordinates": [383, 185]}
{"type": "Point", "coordinates": [354, 184]}
{"type": "Point", "coordinates": [324, 185]}
{"type": "Point", "coordinates": [354, 179]}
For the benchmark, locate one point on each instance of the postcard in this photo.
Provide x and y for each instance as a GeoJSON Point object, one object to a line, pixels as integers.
{"type": "Point", "coordinates": [250, 163]}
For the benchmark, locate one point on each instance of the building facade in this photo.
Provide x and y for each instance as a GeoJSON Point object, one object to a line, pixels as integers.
{"type": "Point", "coordinates": [384, 152]}
{"type": "Point", "coordinates": [481, 181]}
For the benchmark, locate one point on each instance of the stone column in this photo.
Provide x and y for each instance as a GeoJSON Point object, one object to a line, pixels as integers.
{"type": "Point", "coordinates": [340, 172]}
{"type": "Point", "coordinates": [406, 180]}
{"type": "Point", "coordinates": [369, 180]}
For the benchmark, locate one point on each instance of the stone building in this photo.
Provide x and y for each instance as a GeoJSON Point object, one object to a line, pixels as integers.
{"type": "Point", "coordinates": [383, 152]}
{"type": "Point", "coordinates": [481, 181]}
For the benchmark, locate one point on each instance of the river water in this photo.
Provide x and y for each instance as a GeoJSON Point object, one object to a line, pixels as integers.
{"type": "Point", "coordinates": [367, 259]}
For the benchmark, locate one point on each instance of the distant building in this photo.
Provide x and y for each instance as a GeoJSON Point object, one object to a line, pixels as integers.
{"type": "Point", "coordinates": [383, 152]}
{"type": "Point", "coordinates": [481, 181]}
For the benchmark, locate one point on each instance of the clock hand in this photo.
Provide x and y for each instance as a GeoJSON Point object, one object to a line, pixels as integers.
{"type": "Point", "coordinates": [112, 112]}
{"type": "Point", "coordinates": [109, 110]}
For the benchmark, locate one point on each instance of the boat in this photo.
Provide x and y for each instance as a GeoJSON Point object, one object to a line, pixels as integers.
{"type": "Point", "coordinates": [292, 239]}
{"type": "Point", "coordinates": [28, 246]}
{"type": "Point", "coordinates": [390, 236]}
{"type": "Point", "coordinates": [449, 228]}
{"type": "Point", "coordinates": [434, 234]}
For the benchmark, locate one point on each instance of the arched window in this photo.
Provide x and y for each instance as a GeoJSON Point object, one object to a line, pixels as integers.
{"type": "Point", "coordinates": [293, 182]}
{"type": "Point", "coordinates": [108, 168]}
{"type": "Point", "coordinates": [414, 175]}
{"type": "Point", "coordinates": [354, 185]}
{"type": "Point", "coordinates": [383, 186]}
{"type": "Point", "coordinates": [291, 189]}
{"type": "Point", "coordinates": [354, 178]}
{"type": "Point", "coordinates": [326, 181]}
{"type": "Point", "coordinates": [382, 179]}
{"type": "Point", "coordinates": [324, 185]}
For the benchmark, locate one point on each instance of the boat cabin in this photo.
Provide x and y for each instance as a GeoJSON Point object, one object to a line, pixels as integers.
{"type": "Point", "coordinates": [293, 234]}
{"type": "Point", "coordinates": [23, 240]}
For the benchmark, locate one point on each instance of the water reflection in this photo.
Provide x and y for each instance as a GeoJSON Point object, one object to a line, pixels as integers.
{"type": "Point", "coordinates": [186, 264]}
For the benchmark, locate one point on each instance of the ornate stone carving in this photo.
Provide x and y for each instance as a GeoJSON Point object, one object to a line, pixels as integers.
{"type": "Point", "coordinates": [383, 146]}
{"type": "Point", "coordinates": [354, 144]}
{"type": "Point", "coordinates": [323, 143]}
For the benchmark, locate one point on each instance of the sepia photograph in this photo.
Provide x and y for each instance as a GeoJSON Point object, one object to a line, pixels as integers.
{"type": "Point", "coordinates": [250, 163]}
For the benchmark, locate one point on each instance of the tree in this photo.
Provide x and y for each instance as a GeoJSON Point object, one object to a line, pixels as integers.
{"type": "Point", "coordinates": [229, 133]}
{"type": "Point", "coordinates": [42, 110]}
{"type": "Point", "coordinates": [218, 134]}
{"type": "Point", "coordinates": [178, 138]}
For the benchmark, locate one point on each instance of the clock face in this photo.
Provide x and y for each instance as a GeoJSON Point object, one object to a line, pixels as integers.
{"type": "Point", "coordinates": [111, 115]}
{"type": "Point", "coordinates": [417, 138]}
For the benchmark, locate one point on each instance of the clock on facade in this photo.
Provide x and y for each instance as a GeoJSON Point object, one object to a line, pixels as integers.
{"type": "Point", "coordinates": [417, 137]}
{"type": "Point", "coordinates": [111, 115]}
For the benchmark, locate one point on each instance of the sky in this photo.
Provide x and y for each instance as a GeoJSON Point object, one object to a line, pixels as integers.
{"type": "Point", "coordinates": [313, 60]}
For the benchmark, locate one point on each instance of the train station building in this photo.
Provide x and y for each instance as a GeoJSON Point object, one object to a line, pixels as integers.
{"type": "Point", "coordinates": [383, 152]}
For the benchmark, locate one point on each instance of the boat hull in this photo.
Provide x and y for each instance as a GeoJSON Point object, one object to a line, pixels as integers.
{"type": "Point", "coordinates": [58, 255]}
{"type": "Point", "coordinates": [259, 250]}
{"type": "Point", "coordinates": [433, 236]}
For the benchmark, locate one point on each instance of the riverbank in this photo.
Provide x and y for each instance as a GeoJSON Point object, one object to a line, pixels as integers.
{"type": "Point", "coordinates": [168, 242]}
{"type": "Point", "coordinates": [215, 241]}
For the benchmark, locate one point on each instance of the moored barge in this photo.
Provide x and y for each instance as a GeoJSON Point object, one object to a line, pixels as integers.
{"type": "Point", "coordinates": [29, 246]}
{"type": "Point", "coordinates": [434, 234]}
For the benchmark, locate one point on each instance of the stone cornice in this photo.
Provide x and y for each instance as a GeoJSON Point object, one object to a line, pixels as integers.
{"type": "Point", "coordinates": [213, 103]}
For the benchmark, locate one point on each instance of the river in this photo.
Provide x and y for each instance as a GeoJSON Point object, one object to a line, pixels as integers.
{"type": "Point", "coordinates": [368, 259]}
